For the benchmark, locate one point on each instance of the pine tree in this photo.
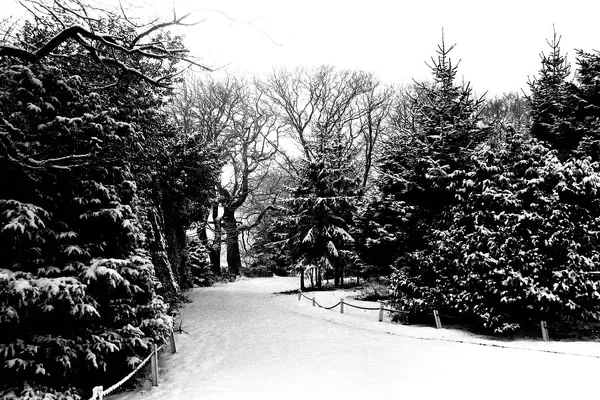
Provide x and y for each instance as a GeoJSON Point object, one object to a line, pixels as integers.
{"type": "Point", "coordinates": [553, 102]}
{"type": "Point", "coordinates": [321, 210]}
{"type": "Point", "coordinates": [199, 263]}
{"type": "Point", "coordinates": [588, 111]}
{"type": "Point", "coordinates": [77, 287]}
{"type": "Point", "coordinates": [436, 131]}
{"type": "Point", "coordinates": [269, 252]}
{"type": "Point", "coordinates": [78, 305]}
{"type": "Point", "coordinates": [446, 115]}
{"type": "Point", "coordinates": [519, 245]}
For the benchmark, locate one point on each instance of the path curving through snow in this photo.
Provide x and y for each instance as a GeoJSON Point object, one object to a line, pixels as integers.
{"type": "Point", "coordinates": [245, 342]}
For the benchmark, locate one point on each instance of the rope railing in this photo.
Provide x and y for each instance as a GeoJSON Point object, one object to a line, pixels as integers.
{"type": "Point", "coordinates": [333, 306]}
{"type": "Point", "coordinates": [382, 309]}
{"type": "Point", "coordinates": [303, 295]}
{"type": "Point", "coordinates": [342, 303]}
{"type": "Point", "coordinates": [98, 392]}
{"type": "Point", "coordinates": [363, 308]}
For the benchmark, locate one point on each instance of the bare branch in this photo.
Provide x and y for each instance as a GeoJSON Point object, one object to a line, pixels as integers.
{"type": "Point", "coordinates": [258, 220]}
{"type": "Point", "coordinates": [155, 27]}
{"type": "Point", "coordinates": [104, 48]}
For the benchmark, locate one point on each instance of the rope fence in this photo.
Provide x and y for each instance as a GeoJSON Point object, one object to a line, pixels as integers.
{"type": "Point", "coordinates": [98, 392]}
{"type": "Point", "coordinates": [436, 315]}
{"type": "Point", "coordinates": [332, 307]}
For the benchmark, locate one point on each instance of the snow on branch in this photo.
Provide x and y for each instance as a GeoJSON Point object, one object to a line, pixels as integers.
{"type": "Point", "coordinates": [12, 153]}
{"type": "Point", "coordinates": [117, 50]}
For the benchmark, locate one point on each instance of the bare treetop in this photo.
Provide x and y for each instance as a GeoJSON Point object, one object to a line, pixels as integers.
{"type": "Point", "coordinates": [111, 37]}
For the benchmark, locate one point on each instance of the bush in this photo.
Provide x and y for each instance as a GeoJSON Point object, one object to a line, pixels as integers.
{"type": "Point", "coordinates": [257, 271]}
{"type": "Point", "coordinates": [199, 264]}
{"type": "Point", "coordinates": [517, 247]}
{"type": "Point", "coordinates": [375, 290]}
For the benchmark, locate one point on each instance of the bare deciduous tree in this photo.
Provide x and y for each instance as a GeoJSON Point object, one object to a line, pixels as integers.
{"type": "Point", "coordinates": [232, 115]}
{"type": "Point", "coordinates": [320, 105]}
{"type": "Point", "coordinates": [377, 103]}
{"type": "Point", "coordinates": [207, 107]}
{"type": "Point", "coordinates": [251, 143]}
{"type": "Point", "coordinates": [110, 37]}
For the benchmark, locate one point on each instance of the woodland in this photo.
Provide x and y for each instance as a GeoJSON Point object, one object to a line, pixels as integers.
{"type": "Point", "coordinates": [127, 170]}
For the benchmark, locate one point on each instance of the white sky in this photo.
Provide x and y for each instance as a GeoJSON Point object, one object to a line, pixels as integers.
{"type": "Point", "coordinates": [499, 43]}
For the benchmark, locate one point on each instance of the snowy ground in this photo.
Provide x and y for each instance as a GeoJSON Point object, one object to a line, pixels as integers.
{"type": "Point", "coordinates": [245, 342]}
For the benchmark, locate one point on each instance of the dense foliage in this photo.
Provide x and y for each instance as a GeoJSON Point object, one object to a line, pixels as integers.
{"type": "Point", "coordinates": [488, 210]}
{"type": "Point", "coordinates": [518, 245]}
{"type": "Point", "coordinates": [512, 232]}
{"type": "Point", "coordinates": [433, 137]}
{"type": "Point", "coordinates": [199, 262]}
{"type": "Point", "coordinates": [320, 213]}
{"type": "Point", "coordinates": [88, 164]}
{"type": "Point", "coordinates": [77, 286]}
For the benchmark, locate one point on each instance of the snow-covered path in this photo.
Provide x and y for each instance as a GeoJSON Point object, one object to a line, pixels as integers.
{"type": "Point", "coordinates": [245, 342]}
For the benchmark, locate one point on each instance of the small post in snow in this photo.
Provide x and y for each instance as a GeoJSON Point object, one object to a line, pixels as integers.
{"type": "Point", "coordinates": [342, 305]}
{"type": "Point", "coordinates": [98, 392]}
{"type": "Point", "coordinates": [544, 327]}
{"type": "Point", "coordinates": [172, 343]}
{"type": "Point", "coordinates": [438, 323]}
{"type": "Point", "coordinates": [314, 301]}
{"type": "Point", "coordinates": [299, 294]}
{"type": "Point", "coordinates": [154, 365]}
{"type": "Point", "coordinates": [380, 312]}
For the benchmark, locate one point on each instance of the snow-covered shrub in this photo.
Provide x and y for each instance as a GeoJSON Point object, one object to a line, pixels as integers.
{"type": "Point", "coordinates": [521, 239]}
{"type": "Point", "coordinates": [199, 263]}
{"type": "Point", "coordinates": [77, 301]}
{"type": "Point", "coordinates": [502, 233]}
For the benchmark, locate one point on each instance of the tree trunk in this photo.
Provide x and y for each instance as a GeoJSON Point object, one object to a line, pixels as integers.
{"type": "Point", "coordinates": [214, 250]}
{"type": "Point", "coordinates": [234, 259]}
{"type": "Point", "coordinates": [176, 238]}
{"type": "Point", "coordinates": [319, 278]}
{"type": "Point", "coordinates": [215, 259]}
{"type": "Point", "coordinates": [336, 276]}
{"type": "Point", "coordinates": [302, 287]}
{"type": "Point", "coordinates": [158, 253]}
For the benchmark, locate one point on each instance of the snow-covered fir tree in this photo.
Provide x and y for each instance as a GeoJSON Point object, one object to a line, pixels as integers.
{"type": "Point", "coordinates": [553, 102]}
{"type": "Point", "coordinates": [588, 106]}
{"type": "Point", "coordinates": [519, 246]}
{"type": "Point", "coordinates": [78, 301]}
{"type": "Point", "coordinates": [437, 127]}
{"type": "Point", "coordinates": [320, 212]}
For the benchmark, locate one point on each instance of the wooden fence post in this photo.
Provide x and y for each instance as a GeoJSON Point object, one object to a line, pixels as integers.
{"type": "Point", "coordinates": [380, 312]}
{"type": "Point", "coordinates": [342, 306]}
{"type": "Point", "coordinates": [544, 327]}
{"type": "Point", "coordinates": [299, 294]}
{"type": "Point", "coordinates": [154, 365]}
{"type": "Point", "coordinates": [172, 340]}
{"type": "Point", "coordinates": [98, 392]}
{"type": "Point", "coordinates": [438, 323]}
{"type": "Point", "coordinates": [313, 299]}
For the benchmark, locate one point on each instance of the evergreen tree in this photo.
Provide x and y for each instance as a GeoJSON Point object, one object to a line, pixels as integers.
{"type": "Point", "coordinates": [321, 211]}
{"type": "Point", "coordinates": [77, 287]}
{"type": "Point", "coordinates": [78, 306]}
{"type": "Point", "coordinates": [437, 127]}
{"type": "Point", "coordinates": [269, 252]}
{"type": "Point", "coordinates": [553, 103]}
{"type": "Point", "coordinates": [588, 111]}
{"type": "Point", "coordinates": [446, 115]}
{"type": "Point", "coordinates": [199, 263]}
{"type": "Point", "coordinates": [519, 245]}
